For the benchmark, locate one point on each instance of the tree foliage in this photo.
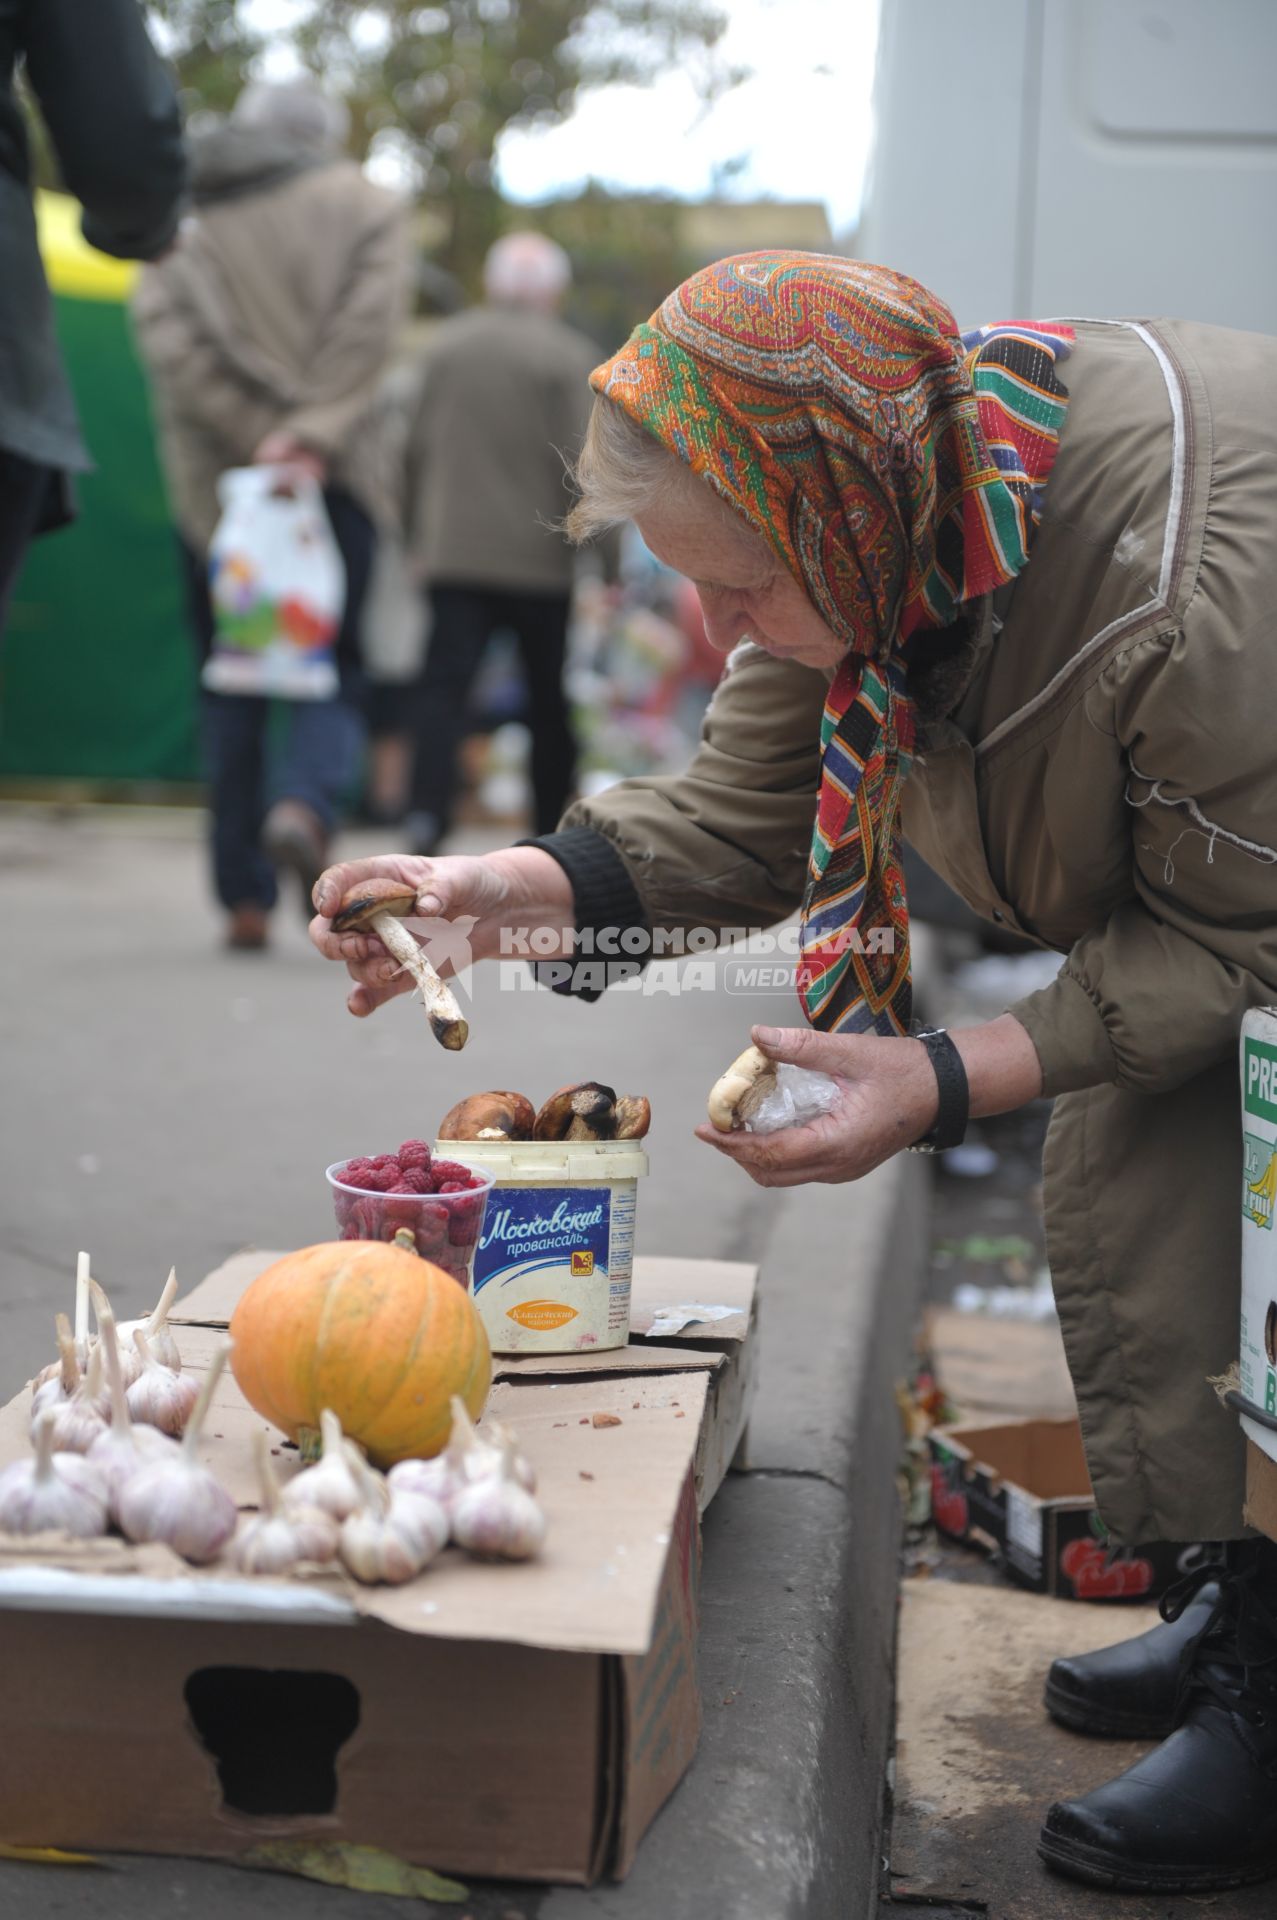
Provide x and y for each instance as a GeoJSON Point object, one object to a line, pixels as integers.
{"type": "Point", "coordinates": [434, 86]}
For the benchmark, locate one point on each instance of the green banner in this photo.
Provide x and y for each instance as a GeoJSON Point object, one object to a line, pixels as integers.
{"type": "Point", "coordinates": [98, 671]}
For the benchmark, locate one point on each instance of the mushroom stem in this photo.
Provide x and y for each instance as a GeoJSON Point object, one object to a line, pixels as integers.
{"type": "Point", "coordinates": [447, 1022]}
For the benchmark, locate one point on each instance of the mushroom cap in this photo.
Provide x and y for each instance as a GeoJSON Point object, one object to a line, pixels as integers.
{"type": "Point", "coordinates": [360, 903]}
{"type": "Point", "coordinates": [633, 1116]}
{"type": "Point", "coordinates": [496, 1115]}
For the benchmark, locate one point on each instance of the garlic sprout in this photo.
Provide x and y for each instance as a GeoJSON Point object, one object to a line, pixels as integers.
{"type": "Point", "coordinates": [330, 1484]}
{"type": "Point", "coordinates": [83, 1281]}
{"type": "Point", "coordinates": [393, 1534]}
{"type": "Point", "coordinates": [277, 1537]}
{"type": "Point", "coordinates": [122, 1449]}
{"type": "Point", "coordinates": [159, 1397]}
{"type": "Point", "coordinates": [156, 1328]}
{"type": "Point", "coordinates": [55, 1492]}
{"type": "Point", "coordinates": [497, 1519]}
{"type": "Point", "coordinates": [177, 1500]}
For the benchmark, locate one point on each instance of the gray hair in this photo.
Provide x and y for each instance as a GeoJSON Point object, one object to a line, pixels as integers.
{"type": "Point", "coordinates": [623, 472]}
{"type": "Point", "coordinates": [526, 270]}
{"type": "Point", "coordinates": [297, 109]}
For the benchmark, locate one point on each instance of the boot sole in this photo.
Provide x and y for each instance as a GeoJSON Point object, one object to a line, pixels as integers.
{"type": "Point", "coordinates": [1102, 1724]}
{"type": "Point", "coordinates": [1074, 1861]}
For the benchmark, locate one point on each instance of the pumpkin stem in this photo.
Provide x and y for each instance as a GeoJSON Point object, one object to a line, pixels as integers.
{"type": "Point", "coordinates": [406, 1239]}
{"type": "Point", "coordinates": [310, 1445]}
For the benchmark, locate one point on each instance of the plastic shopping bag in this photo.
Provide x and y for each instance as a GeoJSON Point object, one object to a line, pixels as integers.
{"type": "Point", "coordinates": [277, 584]}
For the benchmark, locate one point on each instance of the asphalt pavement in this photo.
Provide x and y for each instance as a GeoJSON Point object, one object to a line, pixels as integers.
{"type": "Point", "coordinates": [168, 1103]}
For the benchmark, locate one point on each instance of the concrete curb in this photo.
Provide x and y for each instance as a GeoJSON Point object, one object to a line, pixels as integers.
{"type": "Point", "coordinates": [780, 1817]}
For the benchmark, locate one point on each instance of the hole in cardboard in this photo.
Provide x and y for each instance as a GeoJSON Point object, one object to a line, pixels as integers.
{"type": "Point", "coordinates": [274, 1735]}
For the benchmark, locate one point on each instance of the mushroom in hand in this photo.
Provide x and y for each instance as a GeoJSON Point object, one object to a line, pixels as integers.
{"type": "Point", "coordinates": [737, 1096]}
{"type": "Point", "coordinates": [380, 907]}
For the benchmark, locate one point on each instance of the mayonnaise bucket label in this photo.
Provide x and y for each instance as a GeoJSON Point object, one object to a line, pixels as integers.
{"type": "Point", "coordinates": [553, 1268]}
{"type": "Point", "coordinates": [1259, 1236]}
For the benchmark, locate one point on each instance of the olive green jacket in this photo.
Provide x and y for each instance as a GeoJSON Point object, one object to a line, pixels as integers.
{"type": "Point", "coordinates": [1100, 776]}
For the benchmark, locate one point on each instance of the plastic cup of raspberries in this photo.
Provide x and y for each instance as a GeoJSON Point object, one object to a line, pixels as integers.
{"type": "Point", "coordinates": [442, 1203]}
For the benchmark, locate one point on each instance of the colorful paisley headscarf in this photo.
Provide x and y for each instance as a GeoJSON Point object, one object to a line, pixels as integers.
{"type": "Point", "coordinates": [896, 468]}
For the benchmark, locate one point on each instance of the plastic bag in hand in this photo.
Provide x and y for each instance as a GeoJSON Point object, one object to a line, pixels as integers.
{"type": "Point", "coordinates": [277, 584]}
{"type": "Point", "coordinates": [798, 1096]}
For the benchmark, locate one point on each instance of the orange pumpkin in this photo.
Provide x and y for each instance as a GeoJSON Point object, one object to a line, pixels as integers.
{"type": "Point", "coordinates": [377, 1334]}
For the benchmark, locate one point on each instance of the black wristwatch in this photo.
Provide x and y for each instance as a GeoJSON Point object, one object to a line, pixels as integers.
{"type": "Point", "coordinates": [955, 1095]}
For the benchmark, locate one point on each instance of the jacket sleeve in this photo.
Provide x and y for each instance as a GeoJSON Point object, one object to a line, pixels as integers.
{"type": "Point", "coordinates": [1157, 994]}
{"type": "Point", "coordinates": [355, 343]}
{"type": "Point", "coordinates": [112, 114]}
{"type": "Point", "coordinates": [726, 843]}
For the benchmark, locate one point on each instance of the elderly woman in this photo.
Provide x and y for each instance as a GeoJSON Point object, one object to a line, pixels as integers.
{"type": "Point", "coordinates": [1008, 594]}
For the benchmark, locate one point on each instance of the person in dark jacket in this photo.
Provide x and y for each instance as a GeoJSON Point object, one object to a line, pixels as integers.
{"type": "Point", "coordinates": [111, 112]}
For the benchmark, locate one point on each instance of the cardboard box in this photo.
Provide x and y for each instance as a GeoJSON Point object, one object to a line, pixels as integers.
{"type": "Point", "coordinates": [1021, 1490]}
{"type": "Point", "coordinates": [522, 1721]}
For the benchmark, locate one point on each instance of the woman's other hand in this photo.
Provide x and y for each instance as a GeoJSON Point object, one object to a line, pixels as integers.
{"type": "Point", "coordinates": [888, 1098]}
{"type": "Point", "coordinates": [473, 900]}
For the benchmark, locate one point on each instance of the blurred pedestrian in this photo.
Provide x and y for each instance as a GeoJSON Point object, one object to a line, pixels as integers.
{"type": "Point", "coordinates": [505, 397]}
{"type": "Point", "coordinates": [265, 332]}
{"type": "Point", "coordinates": [110, 110]}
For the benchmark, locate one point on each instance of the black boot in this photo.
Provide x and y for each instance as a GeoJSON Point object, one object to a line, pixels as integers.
{"type": "Point", "coordinates": [1198, 1813]}
{"type": "Point", "coordinates": [1131, 1691]}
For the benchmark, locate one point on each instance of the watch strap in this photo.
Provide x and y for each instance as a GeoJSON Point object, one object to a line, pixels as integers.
{"type": "Point", "coordinates": [955, 1094]}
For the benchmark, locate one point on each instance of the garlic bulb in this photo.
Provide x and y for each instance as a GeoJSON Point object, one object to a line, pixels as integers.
{"type": "Point", "coordinates": [122, 1449]}
{"type": "Point", "coordinates": [437, 1478]}
{"type": "Point", "coordinates": [156, 1328]}
{"type": "Point", "coordinates": [277, 1537]}
{"type": "Point", "coordinates": [60, 1381]}
{"type": "Point", "coordinates": [54, 1492]}
{"type": "Point", "coordinates": [159, 1397]}
{"type": "Point", "coordinates": [392, 1535]}
{"type": "Point", "coordinates": [175, 1499]}
{"type": "Point", "coordinates": [77, 1422]}
{"type": "Point", "coordinates": [330, 1484]}
{"type": "Point", "coordinates": [496, 1518]}
{"type": "Point", "coordinates": [475, 1455]}
{"type": "Point", "coordinates": [78, 1415]}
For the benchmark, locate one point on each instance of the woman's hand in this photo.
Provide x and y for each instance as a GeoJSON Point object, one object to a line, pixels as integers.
{"type": "Point", "coordinates": [888, 1098]}
{"type": "Point", "coordinates": [473, 901]}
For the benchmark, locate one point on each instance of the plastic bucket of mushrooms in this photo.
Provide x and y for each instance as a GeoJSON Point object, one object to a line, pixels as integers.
{"type": "Point", "coordinates": [555, 1258]}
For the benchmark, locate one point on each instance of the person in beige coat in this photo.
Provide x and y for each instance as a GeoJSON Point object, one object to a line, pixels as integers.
{"type": "Point", "coordinates": [504, 398]}
{"type": "Point", "coordinates": [1014, 594]}
{"type": "Point", "coordinates": [264, 334]}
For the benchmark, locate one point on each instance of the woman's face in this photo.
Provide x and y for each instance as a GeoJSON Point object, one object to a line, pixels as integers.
{"type": "Point", "coordinates": [744, 590]}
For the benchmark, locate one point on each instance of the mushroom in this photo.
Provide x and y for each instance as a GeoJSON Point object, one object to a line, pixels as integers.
{"type": "Point", "coordinates": [633, 1116]}
{"type": "Point", "coordinates": [583, 1111]}
{"type": "Point", "coordinates": [737, 1096]}
{"type": "Point", "coordinates": [378, 906]}
{"type": "Point", "coordinates": [489, 1116]}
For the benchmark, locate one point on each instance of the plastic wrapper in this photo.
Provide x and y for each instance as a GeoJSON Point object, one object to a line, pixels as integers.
{"type": "Point", "coordinates": [277, 585]}
{"type": "Point", "coordinates": [798, 1096]}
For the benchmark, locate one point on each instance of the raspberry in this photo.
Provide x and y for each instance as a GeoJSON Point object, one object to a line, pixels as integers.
{"type": "Point", "coordinates": [463, 1227]}
{"type": "Point", "coordinates": [380, 1180]}
{"type": "Point", "coordinates": [403, 1186]}
{"type": "Point", "coordinates": [414, 1180]}
{"type": "Point", "coordinates": [385, 1160]}
{"type": "Point", "coordinates": [414, 1153]}
{"type": "Point", "coordinates": [353, 1168]}
{"type": "Point", "coordinates": [452, 1170]}
{"type": "Point", "coordinates": [453, 1186]}
{"type": "Point", "coordinates": [432, 1230]}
